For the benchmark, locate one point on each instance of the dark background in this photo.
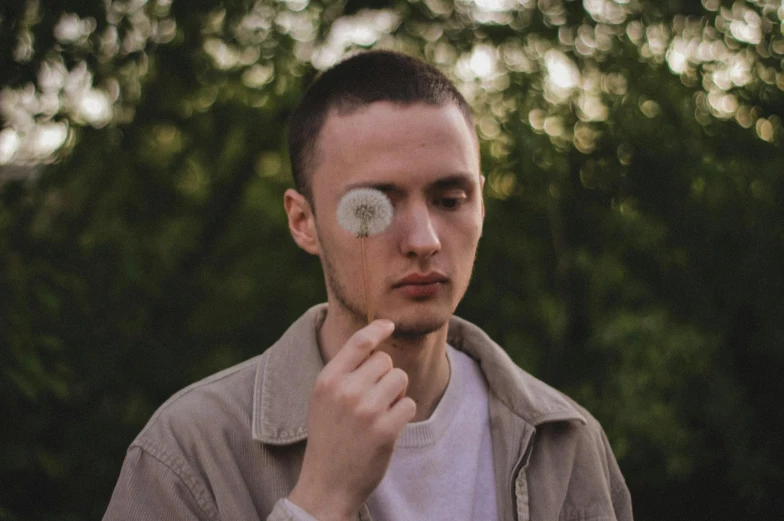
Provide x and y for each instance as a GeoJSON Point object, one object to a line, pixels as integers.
{"type": "Point", "coordinates": [632, 254]}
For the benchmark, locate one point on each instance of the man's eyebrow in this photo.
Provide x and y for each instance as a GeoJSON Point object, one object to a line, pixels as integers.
{"type": "Point", "coordinates": [381, 187]}
{"type": "Point", "coordinates": [455, 181]}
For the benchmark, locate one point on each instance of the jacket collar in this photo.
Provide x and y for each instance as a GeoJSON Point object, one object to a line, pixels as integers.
{"type": "Point", "coordinates": [287, 373]}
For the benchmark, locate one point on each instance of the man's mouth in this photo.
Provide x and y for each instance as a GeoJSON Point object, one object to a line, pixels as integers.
{"type": "Point", "coordinates": [421, 285]}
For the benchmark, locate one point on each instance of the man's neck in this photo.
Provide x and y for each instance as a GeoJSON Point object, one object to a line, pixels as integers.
{"type": "Point", "coordinates": [423, 358]}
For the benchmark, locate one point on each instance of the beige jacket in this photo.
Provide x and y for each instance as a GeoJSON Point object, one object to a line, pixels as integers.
{"type": "Point", "coordinates": [230, 446]}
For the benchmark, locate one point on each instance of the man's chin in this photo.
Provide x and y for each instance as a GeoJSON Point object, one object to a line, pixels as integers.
{"type": "Point", "coordinates": [409, 329]}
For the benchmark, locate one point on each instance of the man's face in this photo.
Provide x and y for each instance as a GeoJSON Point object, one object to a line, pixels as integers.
{"type": "Point", "coordinates": [425, 159]}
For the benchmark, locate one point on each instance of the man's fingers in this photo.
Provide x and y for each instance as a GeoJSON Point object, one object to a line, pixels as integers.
{"type": "Point", "coordinates": [361, 344]}
{"type": "Point", "coordinates": [401, 413]}
{"type": "Point", "coordinates": [389, 389]}
{"type": "Point", "coordinates": [372, 369]}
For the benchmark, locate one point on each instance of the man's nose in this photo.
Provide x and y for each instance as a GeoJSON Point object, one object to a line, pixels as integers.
{"type": "Point", "coordinates": [419, 235]}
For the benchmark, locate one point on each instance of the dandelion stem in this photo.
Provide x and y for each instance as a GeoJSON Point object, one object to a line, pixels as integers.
{"type": "Point", "coordinates": [365, 282]}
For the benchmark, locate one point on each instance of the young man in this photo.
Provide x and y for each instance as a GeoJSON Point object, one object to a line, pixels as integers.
{"type": "Point", "coordinates": [417, 415]}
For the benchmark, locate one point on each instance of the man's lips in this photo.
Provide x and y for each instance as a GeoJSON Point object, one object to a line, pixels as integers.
{"type": "Point", "coordinates": [421, 285]}
{"type": "Point", "coordinates": [420, 279]}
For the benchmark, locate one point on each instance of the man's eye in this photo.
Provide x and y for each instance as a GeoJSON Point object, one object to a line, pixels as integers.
{"type": "Point", "coordinates": [451, 203]}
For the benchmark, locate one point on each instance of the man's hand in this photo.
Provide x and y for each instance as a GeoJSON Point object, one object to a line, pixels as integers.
{"type": "Point", "coordinates": [358, 410]}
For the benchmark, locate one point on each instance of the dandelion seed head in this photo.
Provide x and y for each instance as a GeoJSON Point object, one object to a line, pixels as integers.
{"type": "Point", "coordinates": [364, 212]}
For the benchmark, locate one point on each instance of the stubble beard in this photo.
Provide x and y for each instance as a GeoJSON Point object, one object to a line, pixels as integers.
{"type": "Point", "coordinates": [408, 330]}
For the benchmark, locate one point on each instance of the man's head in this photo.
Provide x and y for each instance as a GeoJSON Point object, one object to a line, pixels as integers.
{"type": "Point", "coordinates": [353, 85]}
{"type": "Point", "coordinates": [386, 121]}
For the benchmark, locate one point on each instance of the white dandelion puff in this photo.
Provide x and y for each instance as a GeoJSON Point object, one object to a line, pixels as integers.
{"type": "Point", "coordinates": [364, 212]}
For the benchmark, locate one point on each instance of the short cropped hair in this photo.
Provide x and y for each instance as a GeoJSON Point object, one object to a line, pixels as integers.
{"type": "Point", "coordinates": [353, 84]}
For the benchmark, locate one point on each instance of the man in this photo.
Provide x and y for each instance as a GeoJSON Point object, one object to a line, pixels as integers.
{"type": "Point", "coordinates": [417, 415]}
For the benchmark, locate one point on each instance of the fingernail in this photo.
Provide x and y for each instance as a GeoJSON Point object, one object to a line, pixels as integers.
{"type": "Point", "coordinates": [388, 324]}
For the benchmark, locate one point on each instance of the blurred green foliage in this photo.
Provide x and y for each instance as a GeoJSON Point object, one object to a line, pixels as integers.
{"type": "Point", "coordinates": [632, 253]}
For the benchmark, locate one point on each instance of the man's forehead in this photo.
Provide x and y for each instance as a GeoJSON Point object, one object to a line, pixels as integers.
{"type": "Point", "coordinates": [346, 110]}
{"type": "Point", "coordinates": [386, 139]}
{"type": "Point", "coordinates": [343, 119]}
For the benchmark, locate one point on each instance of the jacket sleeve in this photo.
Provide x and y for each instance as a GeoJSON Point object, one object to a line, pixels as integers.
{"type": "Point", "coordinates": [154, 487]}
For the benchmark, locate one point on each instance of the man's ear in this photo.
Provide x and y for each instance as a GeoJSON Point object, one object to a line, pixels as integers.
{"type": "Point", "coordinates": [302, 222]}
